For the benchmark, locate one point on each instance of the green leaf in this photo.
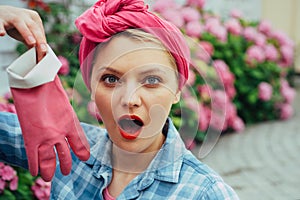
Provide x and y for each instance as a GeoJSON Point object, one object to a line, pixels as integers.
{"type": "Point", "coordinates": [7, 195]}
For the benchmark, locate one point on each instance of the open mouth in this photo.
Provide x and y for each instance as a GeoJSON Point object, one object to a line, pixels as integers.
{"type": "Point", "coordinates": [130, 126]}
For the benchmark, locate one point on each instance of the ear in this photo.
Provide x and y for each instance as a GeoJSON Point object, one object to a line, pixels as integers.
{"type": "Point", "coordinates": [177, 97]}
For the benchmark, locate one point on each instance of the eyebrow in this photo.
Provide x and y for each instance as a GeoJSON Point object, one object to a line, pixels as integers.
{"type": "Point", "coordinates": [114, 71]}
{"type": "Point", "coordinates": [151, 71]}
{"type": "Point", "coordinates": [142, 72]}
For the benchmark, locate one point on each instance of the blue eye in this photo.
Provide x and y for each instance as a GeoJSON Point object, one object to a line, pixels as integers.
{"type": "Point", "coordinates": [152, 80]}
{"type": "Point", "coordinates": [110, 79]}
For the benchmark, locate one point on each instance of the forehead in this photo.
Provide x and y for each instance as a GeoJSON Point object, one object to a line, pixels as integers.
{"type": "Point", "coordinates": [123, 51]}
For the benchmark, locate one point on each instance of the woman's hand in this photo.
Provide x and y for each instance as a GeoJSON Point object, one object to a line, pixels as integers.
{"type": "Point", "coordinates": [24, 25]}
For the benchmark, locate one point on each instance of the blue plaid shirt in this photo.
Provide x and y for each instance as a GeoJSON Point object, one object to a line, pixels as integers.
{"type": "Point", "coordinates": [174, 173]}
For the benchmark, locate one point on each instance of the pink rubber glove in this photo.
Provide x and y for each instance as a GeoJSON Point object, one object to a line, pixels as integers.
{"type": "Point", "coordinates": [48, 120]}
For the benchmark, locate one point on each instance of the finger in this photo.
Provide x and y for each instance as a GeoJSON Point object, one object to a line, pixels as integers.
{"type": "Point", "coordinates": [2, 29]}
{"type": "Point", "coordinates": [47, 162]}
{"type": "Point", "coordinates": [79, 143]}
{"type": "Point", "coordinates": [25, 32]}
{"type": "Point", "coordinates": [38, 31]}
{"type": "Point", "coordinates": [32, 156]}
{"type": "Point", "coordinates": [64, 156]}
{"type": "Point", "coordinates": [41, 51]}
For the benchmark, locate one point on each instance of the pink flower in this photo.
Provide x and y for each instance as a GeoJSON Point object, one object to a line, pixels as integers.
{"type": "Point", "coordinates": [8, 176]}
{"type": "Point", "coordinates": [173, 16]}
{"type": "Point", "coordinates": [265, 27]}
{"type": "Point", "coordinates": [231, 111]}
{"type": "Point", "coordinates": [286, 111]}
{"type": "Point", "coordinates": [220, 66]}
{"type": "Point", "coordinates": [220, 32]}
{"type": "Point", "coordinates": [205, 91]}
{"type": "Point", "coordinates": [205, 51]}
{"type": "Point", "coordinates": [11, 108]}
{"type": "Point", "coordinates": [2, 185]}
{"type": "Point", "coordinates": [238, 124]}
{"type": "Point", "coordinates": [212, 22]}
{"type": "Point", "coordinates": [234, 26]}
{"type": "Point", "coordinates": [8, 173]}
{"type": "Point", "coordinates": [161, 6]}
{"type": "Point", "coordinates": [198, 3]}
{"type": "Point", "coordinates": [13, 185]}
{"type": "Point", "coordinates": [204, 117]}
{"type": "Point", "coordinates": [218, 121]}
{"type": "Point", "coordinates": [190, 143]}
{"type": "Point", "coordinates": [271, 53]}
{"type": "Point", "coordinates": [186, 93]}
{"type": "Point", "coordinates": [41, 189]}
{"type": "Point", "coordinates": [3, 107]}
{"type": "Point", "coordinates": [8, 107]}
{"type": "Point", "coordinates": [193, 29]}
{"type": "Point", "coordinates": [190, 14]}
{"type": "Point", "coordinates": [73, 95]}
{"type": "Point", "coordinates": [93, 110]}
{"type": "Point", "coordinates": [250, 33]}
{"type": "Point", "coordinates": [192, 78]}
{"type": "Point", "coordinates": [230, 91]}
{"type": "Point", "coordinates": [282, 38]}
{"type": "Point", "coordinates": [265, 91]}
{"type": "Point", "coordinates": [260, 40]}
{"type": "Point", "coordinates": [8, 96]}
{"type": "Point", "coordinates": [76, 38]}
{"type": "Point", "coordinates": [208, 47]}
{"type": "Point", "coordinates": [287, 53]}
{"type": "Point", "coordinates": [191, 103]}
{"type": "Point", "coordinates": [219, 101]}
{"type": "Point", "coordinates": [64, 69]}
{"type": "Point", "coordinates": [214, 26]}
{"type": "Point", "coordinates": [255, 54]}
{"type": "Point", "coordinates": [236, 14]}
{"type": "Point", "coordinates": [287, 92]}
{"type": "Point", "coordinates": [224, 73]}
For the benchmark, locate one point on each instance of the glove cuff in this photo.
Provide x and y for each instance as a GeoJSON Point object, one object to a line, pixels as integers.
{"type": "Point", "coordinates": [25, 73]}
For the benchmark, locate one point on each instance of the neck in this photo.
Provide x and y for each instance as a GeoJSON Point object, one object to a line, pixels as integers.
{"type": "Point", "coordinates": [131, 162]}
{"type": "Point", "coordinates": [134, 162]}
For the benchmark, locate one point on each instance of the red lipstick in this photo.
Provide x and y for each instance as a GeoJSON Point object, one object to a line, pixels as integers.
{"type": "Point", "coordinates": [130, 126]}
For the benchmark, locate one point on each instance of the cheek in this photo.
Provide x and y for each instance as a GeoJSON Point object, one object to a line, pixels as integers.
{"type": "Point", "coordinates": [163, 98]}
{"type": "Point", "coordinates": [103, 102]}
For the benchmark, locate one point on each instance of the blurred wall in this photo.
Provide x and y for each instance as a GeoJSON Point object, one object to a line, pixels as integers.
{"type": "Point", "coordinates": [285, 16]}
{"type": "Point", "coordinates": [7, 49]}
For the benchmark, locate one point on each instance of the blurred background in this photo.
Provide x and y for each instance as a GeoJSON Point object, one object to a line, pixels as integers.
{"type": "Point", "coordinates": [240, 110]}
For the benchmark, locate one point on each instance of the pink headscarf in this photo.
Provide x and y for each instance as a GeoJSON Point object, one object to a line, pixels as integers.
{"type": "Point", "coordinates": [108, 17]}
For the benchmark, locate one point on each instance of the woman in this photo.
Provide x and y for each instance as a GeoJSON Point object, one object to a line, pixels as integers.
{"type": "Point", "coordinates": [135, 65]}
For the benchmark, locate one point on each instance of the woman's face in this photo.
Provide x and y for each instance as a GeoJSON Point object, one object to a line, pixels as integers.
{"type": "Point", "coordinates": [134, 86]}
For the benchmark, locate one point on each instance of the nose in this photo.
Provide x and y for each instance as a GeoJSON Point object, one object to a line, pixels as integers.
{"type": "Point", "coordinates": [130, 97]}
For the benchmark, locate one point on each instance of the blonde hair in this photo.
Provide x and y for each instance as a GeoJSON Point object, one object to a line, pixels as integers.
{"type": "Point", "coordinates": [141, 36]}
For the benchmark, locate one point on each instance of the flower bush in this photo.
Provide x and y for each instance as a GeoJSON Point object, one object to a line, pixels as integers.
{"type": "Point", "coordinates": [240, 74]}
{"type": "Point", "coordinates": [253, 61]}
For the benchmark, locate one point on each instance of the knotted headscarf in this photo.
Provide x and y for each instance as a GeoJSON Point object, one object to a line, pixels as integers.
{"type": "Point", "coordinates": [108, 17]}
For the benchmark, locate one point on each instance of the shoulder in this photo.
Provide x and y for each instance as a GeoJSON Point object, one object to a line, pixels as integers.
{"type": "Point", "coordinates": [204, 180]}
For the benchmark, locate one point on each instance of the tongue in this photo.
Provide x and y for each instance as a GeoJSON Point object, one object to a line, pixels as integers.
{"type": "Point", "coordinates": [130, 126]}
